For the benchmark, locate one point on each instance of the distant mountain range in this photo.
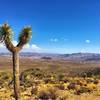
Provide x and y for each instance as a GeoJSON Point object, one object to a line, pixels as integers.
{"type": "Point", "coordinates": [73, 56]}
{"type": "Point", "coordinates": [83, 56]}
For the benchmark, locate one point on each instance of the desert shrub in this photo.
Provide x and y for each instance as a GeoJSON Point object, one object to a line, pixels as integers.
{"type": "Point", "coordinates": [82, 90]}
{"type": "Point", "coordinates": [65, 80]}
{"type": "Point", "coordinates": [37, 73]}
{"type": "Point", "coordinates": [44, 95]}
{"type": "Point", "coordinates": [95, 81]}
{"type": "Point", "coordinates": [34, 90]}
{"type": "Point", "coordinates": [97, 76]}
{"type": "Point", "coordinates": [49, 80]}
{"type": "Point", "coordinates": [5, 76]}
{"type": "Point", "coordinates": [47, 94]}
{"type": "Point", "coordinates": [28, 83]}
{"type": "Point", "coordinates": [90, 73]}
{"type": "Point", "coordinates": [91, 86]}
{"type": "Point", "coordinates": [61, 77]}
{"type": "Point", "coordinates": [89, 80]}
{"type": "Point", "coordinates": [65, 97]}
{"type": "Point", "coordinates": [60, 86]}
{"type": "Point", "coordinates": [25, 74]}
{"type": "Point", "coordinates": [31, 73]}
{"type": "Point", "coordinates": [71, 86]}
{"type": "Point", "coordinates": [1, 83]}
{"type": "Point", "coordinates": [96, 71]}
{"type": "Point", "coordinates": [62, 95]}
{"type": "Point", "coordinates": [78, 82]}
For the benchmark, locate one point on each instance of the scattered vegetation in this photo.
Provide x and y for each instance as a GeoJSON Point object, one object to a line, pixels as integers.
{"type": "Point", "coordinates": [35, 84]}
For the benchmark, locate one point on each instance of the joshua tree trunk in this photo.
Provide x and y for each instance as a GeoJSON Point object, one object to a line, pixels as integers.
{"type": "Point", "coordinates": [16, 75]}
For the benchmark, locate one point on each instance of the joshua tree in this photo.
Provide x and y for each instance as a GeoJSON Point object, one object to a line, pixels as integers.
{"type": "Point", "coordinates": [6, 37]}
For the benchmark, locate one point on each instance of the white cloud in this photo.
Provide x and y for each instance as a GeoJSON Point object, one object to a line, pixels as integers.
{"type": "Point", "coordinates": [54, 40]}
{"type": "Point", "coordinates": [2, 45]}
{"type": "Point", "coordinates": [87, 41]}
{"type": "Point", "coordinates": [34, 46]}
{"type": "Point", "coordinates": [3, 48]}
{"type": "Point", "coordinates": [14, 42]}
{"type": "Point", "coordinates": [31, 48]}
{"type": "Point", "coordinates": [84, 50]}
{"type": "Point", "coordinates": [26, 48]}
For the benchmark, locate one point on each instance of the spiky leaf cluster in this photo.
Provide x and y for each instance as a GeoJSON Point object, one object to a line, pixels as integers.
{"type": "Point", "coordinates": [25, 35]}
{"type": "Point", "coordinates": [5, 33]}
{"type": "Point", "coordinates": [6, 37]}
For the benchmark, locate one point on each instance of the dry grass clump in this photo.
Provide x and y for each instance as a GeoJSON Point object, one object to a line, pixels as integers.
{"type": "Point", "coordinates": [47, 93]}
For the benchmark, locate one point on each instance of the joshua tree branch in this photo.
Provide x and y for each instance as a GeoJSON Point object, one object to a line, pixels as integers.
{"type": "Point", "coordinates": [24, 37]}
{"type": "Point", "coordinates": [9, 46]}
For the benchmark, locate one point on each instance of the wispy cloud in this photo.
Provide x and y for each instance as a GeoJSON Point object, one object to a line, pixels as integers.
{"type": "Point", "coordinates": [64, 39]}
{"type": "Point", "coordinates": [87, 41]}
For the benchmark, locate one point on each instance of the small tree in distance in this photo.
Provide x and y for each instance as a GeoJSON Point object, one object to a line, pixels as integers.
{"type": "Point", "coordinates": [6, 38]}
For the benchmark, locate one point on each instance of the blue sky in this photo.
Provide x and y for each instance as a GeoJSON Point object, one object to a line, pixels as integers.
{"type": "Point", "coordinates": [59, 26]}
